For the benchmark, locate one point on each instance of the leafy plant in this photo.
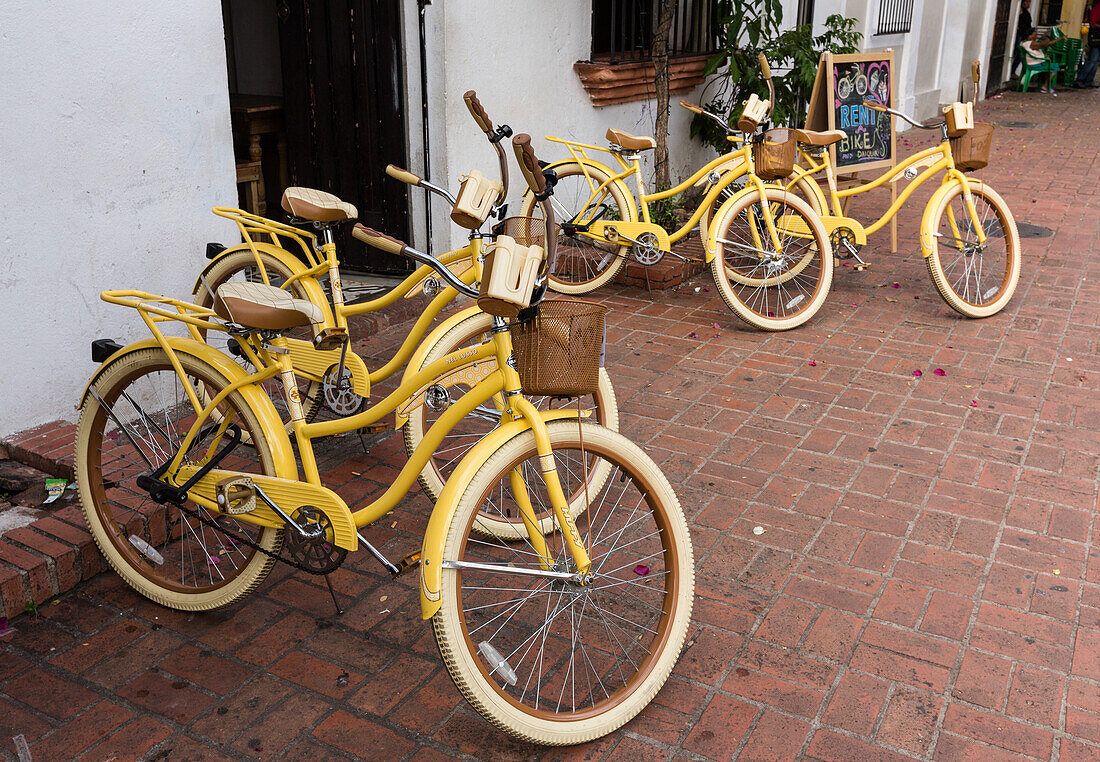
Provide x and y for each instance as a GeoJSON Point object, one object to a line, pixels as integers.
{"type": "Point", "coordinates": [751, 27]}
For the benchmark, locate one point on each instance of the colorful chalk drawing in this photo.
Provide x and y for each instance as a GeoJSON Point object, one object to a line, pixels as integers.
{"type": "Point", "coordinates": [867, 132]}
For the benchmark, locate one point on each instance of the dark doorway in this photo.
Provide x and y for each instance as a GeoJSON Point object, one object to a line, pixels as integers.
{"type": "Point", "coordinates": [997, 53]}
{"type": "Point", "coordinates": [336, 66]}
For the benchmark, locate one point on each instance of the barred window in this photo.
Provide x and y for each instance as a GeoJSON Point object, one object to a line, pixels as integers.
{"type": "Point", "coordinates": [622, 30]}
{"type": "Point", "coordinates": [895, 17]}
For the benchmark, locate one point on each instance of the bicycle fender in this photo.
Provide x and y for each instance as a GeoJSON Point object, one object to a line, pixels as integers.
{"type": "Point", "coordinates": [254, 397]}
{"type": "Point", "coordinates": [431, 554]}
{"type": "Point", "coordinates": [309, 285]}
{"type": "Point", "coordinates": [927, 224]}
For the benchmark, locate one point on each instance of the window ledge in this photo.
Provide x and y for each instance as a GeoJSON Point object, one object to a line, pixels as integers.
{"type": "Point", "coordinates": [608, 84]}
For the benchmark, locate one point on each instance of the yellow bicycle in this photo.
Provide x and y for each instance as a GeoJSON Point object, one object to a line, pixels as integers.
{"type": "Point", "coordinates": [335, 382]}
{"type": "Point", "coordinates": [557, 633]}
{"type": "Point", "coordinates": [768, 250]}
{"type": "Point", "coordinates": [968, 236]}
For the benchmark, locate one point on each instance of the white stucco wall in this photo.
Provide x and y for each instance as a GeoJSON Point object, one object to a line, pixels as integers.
{"type": "Point", "coordinates": [933, 59]}
{"type": "Point", "coordinates": [114, 144]}
{"type": "Point", "coordinates": [520, 62]}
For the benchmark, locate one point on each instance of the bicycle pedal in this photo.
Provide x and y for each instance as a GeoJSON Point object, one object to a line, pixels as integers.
{"type": "Point", "coordinates": [236, 495]}
{"type": "Point", "coordinates": [410, 561]}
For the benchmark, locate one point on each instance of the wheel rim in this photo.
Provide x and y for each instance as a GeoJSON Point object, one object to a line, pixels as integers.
{"type": "Point", "coordinates": [771, 284]}
{"type": "Point", "coordinates": [180, 553]}
{"type": "Point", "coordinates": [580, 258]}
{"type": "Point", "coordinates": [575, 651]}
{"type": "Point", "coordinates": [977, 274]}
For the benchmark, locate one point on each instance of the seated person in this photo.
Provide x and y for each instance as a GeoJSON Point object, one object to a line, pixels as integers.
{"type": "Point", "coordinates": [1036, 60]}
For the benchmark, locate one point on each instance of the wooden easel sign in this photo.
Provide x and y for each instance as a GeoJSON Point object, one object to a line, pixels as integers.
{"type": "Point", "coordinates": [843, 83]}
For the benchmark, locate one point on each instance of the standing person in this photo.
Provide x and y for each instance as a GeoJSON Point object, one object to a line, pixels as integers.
{"type": "Point", "coordinates": [1024, 28]}
{"type": "Point", "coordinates": [1088, 68]}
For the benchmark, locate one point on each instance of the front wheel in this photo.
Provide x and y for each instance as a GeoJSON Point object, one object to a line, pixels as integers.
{"type": "Point", "coordinates": [134, 419]}
{"type": "Point", "coordinates": [975, 279]}
{"type": "Point", "coordinates": [583, 263]}
{"type": "Point", "coordinates": [772, 288]}
{"type": "Point", "coordinates": [601, 405]}
{"type": "Point", "coordinates": [557, 661]}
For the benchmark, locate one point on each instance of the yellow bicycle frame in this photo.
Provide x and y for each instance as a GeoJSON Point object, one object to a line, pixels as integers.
{"type": "Point", "coordinates": [270, 358]}
{"type": "Point", "coordinates": [933, 160]}
{"type": "Point", "coordinates": [728, 167]}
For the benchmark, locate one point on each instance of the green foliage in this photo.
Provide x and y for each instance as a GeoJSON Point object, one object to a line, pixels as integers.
{"type": "Point", "coordinates": [751, 27]}
{"type": "Point", "coordinates": [663, 212]}
{"type": "Point", "coordinates": [31, 608]}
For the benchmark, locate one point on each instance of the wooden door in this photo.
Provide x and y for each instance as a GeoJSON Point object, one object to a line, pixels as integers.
{"type": "Point", "coordinates": [345, 112]}
{"type": "Point", "coordinates": [997, 53]}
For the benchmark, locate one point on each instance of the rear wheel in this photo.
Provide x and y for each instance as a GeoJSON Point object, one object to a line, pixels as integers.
{"type": "Point", "coordinates": [557, 661]}
{"type": "Point", "coordinates": [772, 288]}
{"type": "Point", "coordinates": [134, 419]}
{"type": "Point", "coordinates": [975, 279]}
{"type": "Point", "coordinates": [583, 263]}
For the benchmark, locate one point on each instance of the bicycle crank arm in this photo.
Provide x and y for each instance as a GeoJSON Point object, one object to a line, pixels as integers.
{"type": "Point", "coordinates": [502, 568]}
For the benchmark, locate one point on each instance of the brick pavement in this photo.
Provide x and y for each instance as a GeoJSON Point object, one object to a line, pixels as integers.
{"type": "Point", "coordinates": [926, 585]}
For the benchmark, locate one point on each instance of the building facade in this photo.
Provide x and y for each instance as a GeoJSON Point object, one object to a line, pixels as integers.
{"type": "Point", "coordinates": [122, 137]}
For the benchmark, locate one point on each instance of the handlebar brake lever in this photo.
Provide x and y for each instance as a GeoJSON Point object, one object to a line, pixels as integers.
{"type": "Point", "coordinates": [502, 131]}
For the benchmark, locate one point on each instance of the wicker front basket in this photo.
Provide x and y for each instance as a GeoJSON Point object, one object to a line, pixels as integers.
{"type": "Point", "coordinates": [971, 150]}
{"type": "Point", "coordinates": [774, 154]}
{"type": "Point", "coordinates": [559, 351]}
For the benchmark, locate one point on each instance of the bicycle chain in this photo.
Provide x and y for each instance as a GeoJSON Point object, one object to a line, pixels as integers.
{"type": "Point", "coordinates": [256, 546]}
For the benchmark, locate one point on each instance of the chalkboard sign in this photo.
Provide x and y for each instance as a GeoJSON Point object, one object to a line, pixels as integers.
{"type": "Point", "coordinates": [843, 83]}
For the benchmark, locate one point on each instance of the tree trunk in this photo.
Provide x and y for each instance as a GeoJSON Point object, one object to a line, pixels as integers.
{"type": "Point", "coordinates": [661, 85]}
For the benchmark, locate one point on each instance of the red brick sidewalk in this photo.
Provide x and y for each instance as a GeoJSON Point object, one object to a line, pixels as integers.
{"type": "Point", "coordinates": [926, 585]}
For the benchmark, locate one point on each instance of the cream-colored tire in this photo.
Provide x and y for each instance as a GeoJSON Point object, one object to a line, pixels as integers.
{"type": "Point", "coordinates": [583, 263]}
{"type": "Point", "coordinates": [772, 290]}
{"type": "Point", "coordinates": [473, 330]}
{"type": "Point", "coordinates": [975, 280]}
{"type": "Point", "coordinates": [537, 657]}
{"type": "Point", "coordinates": [184, 563]}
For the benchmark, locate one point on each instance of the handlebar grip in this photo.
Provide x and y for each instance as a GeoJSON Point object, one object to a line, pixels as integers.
{"type": "Point", "coordinates": [976, 71]}
{"type": "Point", "coordinates": [386, 243]}
{"type": "Point", "coordinates": [691, 106]}
{"type": "Point", "coordinates": [764, 67]}
{"type": "Point", "coordinates": [478, 113]}
{"type": "Point", "coordinates": [403, 175]}
{"type": "Point", "coordinates": [528, 164]}
{"type": "Point", "coordinates": [874, 106]}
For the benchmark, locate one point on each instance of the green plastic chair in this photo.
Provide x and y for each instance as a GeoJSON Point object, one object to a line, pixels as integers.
{"type": "Point", "coordinates": [1068, 58]}
{"type": "Point", "coordinates": [1031, 67]}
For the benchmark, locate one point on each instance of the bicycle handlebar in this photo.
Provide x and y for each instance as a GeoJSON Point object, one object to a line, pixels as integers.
{"type": "Point", "coordinates": [403, 175]}
{"type": "Point", "coordinates": [529, 164]}
{"type": "Point", "coordinates": [478, 113]}
{"type": "Point", "coordinates": [883, 109]}
{"type": "Point", "coordinates": [392, 245]}
{"type": "Point", "coordinates": [494, 136]}
{"type": "Point", "coordinates": [767, 71]}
